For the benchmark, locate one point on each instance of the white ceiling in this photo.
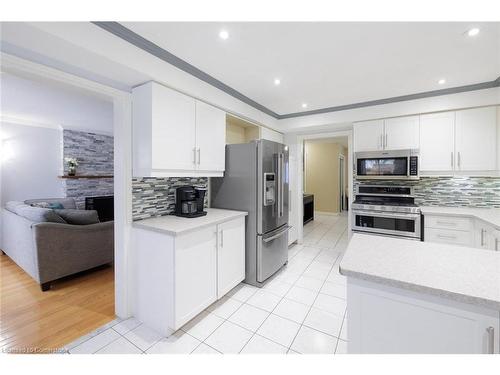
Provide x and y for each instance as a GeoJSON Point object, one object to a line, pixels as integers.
{"type": "Point", "coordinates": [332, 64]}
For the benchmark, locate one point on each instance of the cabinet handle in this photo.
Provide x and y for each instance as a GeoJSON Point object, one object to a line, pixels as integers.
{"type": "Point", "coordinates": [458, 161]}
{"type": "Point", "coordinates": [496, 244]}
{"type": "Point", "coordinates": [446, 223]}
{"type": "Point", "coordinates": [452, 159]}
{"type": "Point", "coordinates": [491, 340]}
{"type": "Point", "coordinates": [199, 155]}
{"type": "Point", "coordinates": [447, 237]}
{"type": "Point", "coordinates": [221, 238]}
{"type": "Point", "coordinates": [194, 155]}
{"type": "Point", "coordinates": [482, 237]}
{"type": "Point", "coordinates": [385, 143]}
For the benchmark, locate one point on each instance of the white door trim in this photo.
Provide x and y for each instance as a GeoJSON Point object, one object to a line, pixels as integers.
{"type": "Point", "coordinates": [300, 175]}
{"type": "Point", "coordinates": [122, 129]}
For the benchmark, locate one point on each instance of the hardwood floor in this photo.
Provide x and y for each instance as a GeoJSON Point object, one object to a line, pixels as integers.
{"type": "Point", "coordinates": [41, 322]}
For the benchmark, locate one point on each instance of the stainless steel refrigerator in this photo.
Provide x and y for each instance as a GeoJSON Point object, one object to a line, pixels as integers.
{"type": "Point", "coordinates": [256, 181]}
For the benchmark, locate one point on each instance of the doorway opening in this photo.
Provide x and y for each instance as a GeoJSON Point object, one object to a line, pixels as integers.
{"type": "Point", "coordinates": [51, 124]}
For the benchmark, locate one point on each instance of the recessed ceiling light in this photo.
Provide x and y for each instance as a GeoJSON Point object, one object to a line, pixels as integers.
{"type": "Point", "coordinates": [473, 32]}
{"type": "Point", "coordinates": [304, 105]}
{"type": "Point", "coordinates": [442, 81]}
{"type": "Point", "coordinates": [277, 81]}
{"type": "Point", "coordinates": [223, 34]}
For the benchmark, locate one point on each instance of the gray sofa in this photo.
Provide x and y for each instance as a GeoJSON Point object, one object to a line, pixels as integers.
{"type": "Point", "coordinates": [47, 247]}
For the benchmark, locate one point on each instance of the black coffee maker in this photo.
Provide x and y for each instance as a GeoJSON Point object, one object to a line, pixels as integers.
{"type": "Point", "coordinates": [189, 201]}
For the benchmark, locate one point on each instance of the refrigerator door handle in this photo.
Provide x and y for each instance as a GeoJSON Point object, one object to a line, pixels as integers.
{"type": "Point", "coordinates": [281, 185]}
{"type": "Point", "coordinates": [277, 235]}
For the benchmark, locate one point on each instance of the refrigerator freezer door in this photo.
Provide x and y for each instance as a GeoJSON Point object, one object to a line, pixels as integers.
{"type": "Point", "coordinates": [272, 252]}
{"type": "Point", "coordinates": [272, 160]}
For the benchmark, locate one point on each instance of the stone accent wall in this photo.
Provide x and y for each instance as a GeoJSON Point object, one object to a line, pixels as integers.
{"type": "Point", "coordinates": [94, 153]}
{"type": "Point", "coordinates": [483, 192]}
{"type": "Point", "coordinates": [153, 196]}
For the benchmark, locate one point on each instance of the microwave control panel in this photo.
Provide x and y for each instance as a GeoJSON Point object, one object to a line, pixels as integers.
{"type": "Point", "coordinates": [413, 166]}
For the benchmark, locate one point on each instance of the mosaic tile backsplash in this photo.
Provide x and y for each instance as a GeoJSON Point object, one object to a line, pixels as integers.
{"type": "Point", "coordinates": [481, 192]}
{"type": "Point", "coordinates": [153, 196]}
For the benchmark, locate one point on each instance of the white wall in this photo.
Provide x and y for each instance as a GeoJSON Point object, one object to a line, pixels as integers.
{"type": "Point", "coordinates": [31, 162]}
{"type": "Point", "coordinates": [44, 102]}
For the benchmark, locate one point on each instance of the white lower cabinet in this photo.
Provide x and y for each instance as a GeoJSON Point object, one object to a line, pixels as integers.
{"type": "Point", "coordinates": [230, 258]}
{"type": "Point", "coordinates": [463, 231]}
{"type": "Point", "coordinates": [195, 262]}
{"type": "Point", "coordinates": [486, 236]}
{"type": "Point", "coordinates": [383, 319]}
{"type": "Point", "coordinates": [177, 277]}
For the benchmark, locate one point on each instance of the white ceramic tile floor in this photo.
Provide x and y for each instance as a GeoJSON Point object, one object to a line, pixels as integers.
{"type": "Point", "coordinates": [261, 345]}
{"type": "Point", "coordinates": [203, 325]}
{"type": "Point", "coordinates": [310, 341]}
{"type": "Point", "coordinates": [302, 310]}
{"type": "Point", "coordinates": [279, 330]}
{"type": "Point", "coordinates": [229, 338]}
{"type": "Point", "coordinates": [249, 317]}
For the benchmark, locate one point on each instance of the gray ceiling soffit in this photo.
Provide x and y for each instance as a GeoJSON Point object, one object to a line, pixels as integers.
{"type": "Point", "coordinates": [128, 35]}
{"type": "Point", "coordinates": [148, 46]}
{"type": "Point", "coordinates": [395, 99]}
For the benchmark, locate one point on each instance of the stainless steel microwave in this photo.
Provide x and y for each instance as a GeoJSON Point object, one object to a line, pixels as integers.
{"type": "Point", "coordinates": [387, 165]}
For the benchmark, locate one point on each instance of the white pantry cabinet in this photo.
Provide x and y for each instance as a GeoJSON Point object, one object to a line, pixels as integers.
{"type": "Point", "coordinates": [437, 141]}
{"type": "Point", "coordinates": [475, 139]}
{"type": "Point", "coordinates": [179, 276]}
{"type": "Point", "coordinates": [389, 320]}
{"type": "Point", "coordinates": [174, 135]}
{"type": "Point", "coordinates": [391, 134]}
{"type": "Point", "coordinates": [230, 257]}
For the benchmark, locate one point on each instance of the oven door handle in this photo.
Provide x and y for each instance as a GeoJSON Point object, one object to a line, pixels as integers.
{"type": "Point", "coordinates": [385, 214]}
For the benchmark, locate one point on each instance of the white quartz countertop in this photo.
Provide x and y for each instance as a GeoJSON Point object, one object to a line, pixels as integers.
{"type": "Point", "coordinates": [489, 215]}
{"type": "Point", "coordinates": [175, 225]}
{"type": "Point", "coordinates": [455, 272]}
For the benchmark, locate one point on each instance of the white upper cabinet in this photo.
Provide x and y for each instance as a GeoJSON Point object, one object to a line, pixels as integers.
{"type": "Point", "coordinates": [271, 135]}
{"type": "Point", "coordinates": [476, 137]}
{"type": "Point", "coordinates": [175, 135]}
{"type": "Point", "coordinates": [210, 138]}
{"type": "Point", "coordinates": [401, 133]}
{"type": "Point", "coordinates": [369, 135]}
{"type": "Point", "coordinates": [437, 141]}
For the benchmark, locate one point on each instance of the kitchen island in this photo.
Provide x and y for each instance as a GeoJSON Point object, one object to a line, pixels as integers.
{"type": "Point", "coordinates": [418, 297]}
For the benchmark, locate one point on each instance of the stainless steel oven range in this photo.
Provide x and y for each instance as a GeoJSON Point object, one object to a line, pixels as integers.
{"type": "Point", "coordinates": [386, 210]}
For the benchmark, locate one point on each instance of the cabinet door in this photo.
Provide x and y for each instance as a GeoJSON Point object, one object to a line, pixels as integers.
{"type": "Point", "coordinates": [383, 320]}
{"type": "Point", "coordinates": [271, 135]}
{"type": "Point", "coordinates": [230, 255]}
{"type": "Point", "coordinates": [172, 129]}
{"type": "Point", "coordinates": [210, 138]}
{"type": "Point", "coordinates": [475, 135]}
{"type": "Point", "coordinates": [368, 135]}
{"type": "Point", "coordinates": [195, 266]}
{"type": "Point", "coordinates": [496, 240]}
{"type": "Point", "coordinates": [402, 133]}
{"type": "Point", "coordinates": [437, 141]}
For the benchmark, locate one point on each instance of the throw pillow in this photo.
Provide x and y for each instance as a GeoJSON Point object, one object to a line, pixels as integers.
{"type": "Point", "coordinates": [78, 217]}
{"type": "Point", "coordinates": [53, 205]}
{"type": "Point", "coordinates": [38, 214]}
